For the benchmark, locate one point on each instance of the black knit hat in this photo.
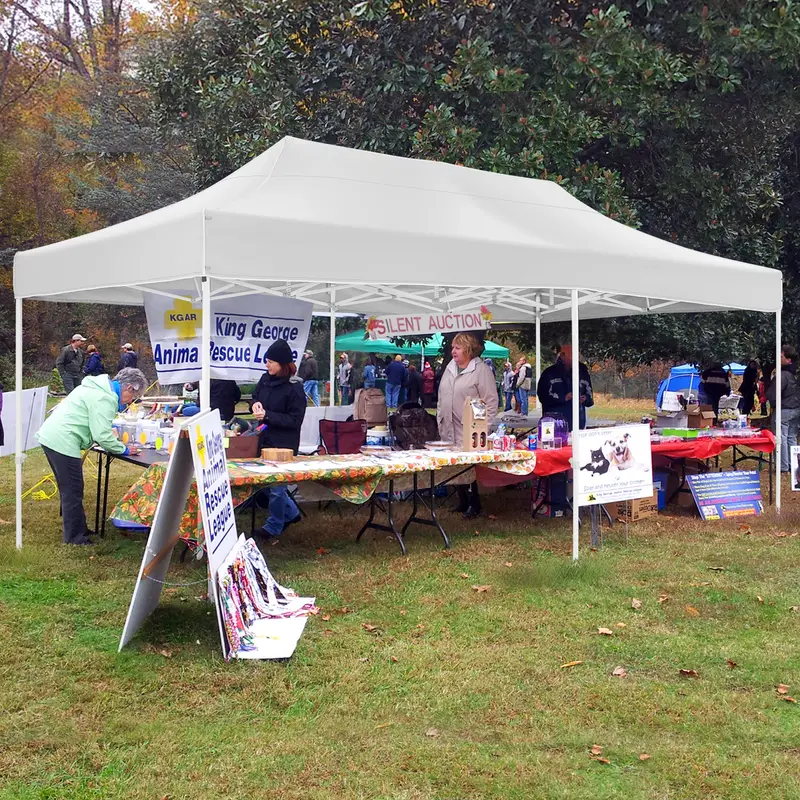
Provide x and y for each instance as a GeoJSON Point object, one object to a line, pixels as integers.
{"type": "Point", "coordinates": [280, 351]}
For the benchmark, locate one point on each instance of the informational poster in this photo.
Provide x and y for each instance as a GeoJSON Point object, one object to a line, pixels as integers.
{"type": "Point", "coordinates": [720, 495]}
{"type": "Point", "coordinates": [477, 319]}
{"type": "Point", "coordinates": [34, 402]}
{"type": "Point", "coordinates": [615, 464]}
{"type": "Point", "coordinates": [242, 329]}
{"type": "Point", "coordinates": [794, 469]}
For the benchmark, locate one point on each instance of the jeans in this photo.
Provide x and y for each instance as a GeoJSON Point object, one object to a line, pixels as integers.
{"type": "Point", "coordinates": [392, 395]}
{"type": "Point", "coordinates": [311, 388]}
{"type": "Point", "coordinates": [522, 400]}
{"type": "Point", "coordinates": [70, 381]}
{"type": "Point", "coordinates": [68, 472]}
{"type": "Point", "coordinates": [509, 395]}
{"type": "Point", "coordinates": [282, 509]}
{"type": "Point", "coordinates": [790, 424]}
{"type": "Point", "coordinates": [345, 395]}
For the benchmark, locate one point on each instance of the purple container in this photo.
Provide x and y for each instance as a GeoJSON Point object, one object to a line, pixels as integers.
{"type": "Point", "coordinates": [560, 429]}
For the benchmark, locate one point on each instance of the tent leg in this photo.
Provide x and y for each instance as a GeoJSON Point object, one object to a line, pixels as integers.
{"type": "Point", "coordinates": [19, 458]}
{"type": "Point", "coordinates": [576, 408]}
{"type": "Point", "coordinates": [538, 348]}
{"type": "Point", "coordinates": [332, 359]}
{"type": "Point", "coordinates": [777, 413]}
{"type": "Point", "coordinates": [205, 373]}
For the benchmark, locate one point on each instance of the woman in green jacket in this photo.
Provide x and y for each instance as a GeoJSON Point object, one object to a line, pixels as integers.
{"type": "Point", "coordinates": [82, 418]}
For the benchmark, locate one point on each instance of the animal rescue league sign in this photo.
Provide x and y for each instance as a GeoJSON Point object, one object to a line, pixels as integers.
{"type": "Point", "coordinates": [242, 329]}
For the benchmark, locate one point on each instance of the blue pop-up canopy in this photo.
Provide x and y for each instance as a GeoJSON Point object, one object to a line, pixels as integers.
{"type": "Point", "coordinates": [684, 378]}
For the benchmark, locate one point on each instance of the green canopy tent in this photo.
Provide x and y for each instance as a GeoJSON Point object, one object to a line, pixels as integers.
{"type": "Point", "coordinates": [356, 343]}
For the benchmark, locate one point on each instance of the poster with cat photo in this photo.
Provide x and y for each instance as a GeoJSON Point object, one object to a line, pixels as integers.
{"type": "Point", "coordinates": [615, 464]}
{"type": "Point", "coordinates": [794, 471]}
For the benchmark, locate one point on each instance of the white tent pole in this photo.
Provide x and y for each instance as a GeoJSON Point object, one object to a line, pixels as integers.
{"type": "Point", "coordinates": [576, 408]}
{"type": "Point", "coordinates": [538, 348]}
{"type": "Point", "coordinates": [777, 414]}
{"type": "Point", "coordinates": [205, 374]}
{"type": "Point", "coordinates": [19, 458]}
{"type": "Point", "coordinates": [332, 359]}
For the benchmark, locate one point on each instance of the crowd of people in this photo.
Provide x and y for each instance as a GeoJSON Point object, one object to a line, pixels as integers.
{"type": "Point", "coordinates": [73, 364]}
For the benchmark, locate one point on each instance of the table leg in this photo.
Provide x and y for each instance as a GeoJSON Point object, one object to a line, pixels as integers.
{"type": "Point", "coordinates": [99, 485]}
{"type": "Point", "coordinates": [378, 526]}
{"type": "Point", "coordinates": [105, 497]}
{"type": "Point", "coordinates": [433, 522]}
{"type": "Point", "coordinates": [771, 476]}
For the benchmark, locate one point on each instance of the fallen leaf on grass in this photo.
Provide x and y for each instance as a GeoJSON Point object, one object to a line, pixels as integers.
{"type": "Point", "coordinates": [716, 569]}
{"type": "Point", "coordinates": [620, 672]}
{"type": "Point", "coordinates": [326, 617]}
{"type": "Point", "coordinates": [759, 598]}
{"type": "Point", "coordinates": [363, 659]}
{"type": "Point", "coordinates": [482, 588]}
{"type": "Point", "coordinates": [794, 608]}
{"type": "Point", "coordinates": [688, 673]}
{"type": "Point", "coordinates": [601, 760]}
{"type": "Point", "coordinates": [731, 664]}
{"type": "Point", "coordinates": [463, 575]}
{"type": "Point", "coordinates": [420, 627]}
{"type": "Point", "coordinates": [165, 653]}
{"type": "Point", "coordinates": [345, 610]}
{"type": "Point", "coordinates": [383, 725]}
{"type": "Point", "coordinates": [691, 611]}
{"type": "Point", "coordinates": [745, 528]}
{"type": "Point", "coordinates": [644, 756]}
{"type": "Point", "coordinates": [509, 564]}
{"type": "Point", "coordinates": [596, 750]}
{"type": "Point", "coordinates": [393, 659]}
{"type": "Point", "coordinates": [783, 688]}
{"type": "Point", "coordinates": [476, 533]}
{"type": "Point", "coordinates": [321, 551]}
{"type": "Point", "coordinates": [491, 516]}
{"type": "Point", "coordinates": [605, 631]}
{"type": "Point", "coordinates": [636, 603]}
{"type": "Point", "coordinates": [621, 625]}
{"type": "Point", "coordinates": [787, 698]}
{"type": "Point", "coordinates": [432, 732]}
{"type": "Point", "coordinates": [402, 612]}
{"type": "Point", "coordinates": [370, 628]}
{"type": "Point", "coordinates": [571, 664]}
{"type": "Point", "coordinates": [663, 598]}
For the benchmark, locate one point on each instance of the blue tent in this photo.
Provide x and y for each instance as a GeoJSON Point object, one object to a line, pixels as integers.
{"type": "Point", "coordinates": [684, 378]}
{"type": "Point", "coordinates": [735, 368]}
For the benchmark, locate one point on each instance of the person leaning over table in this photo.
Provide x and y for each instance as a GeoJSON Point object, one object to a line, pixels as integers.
{"type": "Point", "coordinates": [465, 376]}
{"type": "Point", "coordinates": [80, 419]}
{"type": "Point", "coordinates": [790, 404]}
{"type": "Point", "coordinates": [280, 402]}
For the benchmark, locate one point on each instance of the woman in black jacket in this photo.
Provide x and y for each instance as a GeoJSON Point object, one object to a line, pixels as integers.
{"type": "Point", "coordinates": [280, 402]}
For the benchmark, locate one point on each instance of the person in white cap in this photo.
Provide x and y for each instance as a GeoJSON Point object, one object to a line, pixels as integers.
{"type": "Point", "coordinates": [70, 363]}
{"type": "Point", "coordinates": [128, 359]}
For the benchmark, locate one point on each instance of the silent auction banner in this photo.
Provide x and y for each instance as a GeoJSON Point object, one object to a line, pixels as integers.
{"type": "Point", "coordinates": [242, 329]}
{"type": "Point", "coordinates": [478, 319]}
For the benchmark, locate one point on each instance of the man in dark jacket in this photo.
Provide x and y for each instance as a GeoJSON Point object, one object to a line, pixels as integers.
{"type": "Point", "coordinates": [555, 389]}
{"type": "Point", "coordinates": [790, 404]}
{"type": "Point", "coordinates": [308, 373]}
{"type": "Point", "coordinates": [395, 375]}
{"type": "Point", "coordinates": [128, 357]}
{"type": "Point", "coordinates": [413, 385]}
{"type": "Point", "coordinates": [70, 363]}
{"type": "Point", "coordinates": [224, 395]}
{"type": "Point", "coordinates": [715, 383]}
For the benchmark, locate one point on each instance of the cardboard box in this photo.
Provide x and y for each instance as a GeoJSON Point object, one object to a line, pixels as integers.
{"type": "Point", "coordinates": [700, 416]}
{"type": "Point", "coordinates": [475, 423]}
{"type": "Point", "coordinates": [672, 419]}
{"type": "Point", "coordinates": [634, 510]}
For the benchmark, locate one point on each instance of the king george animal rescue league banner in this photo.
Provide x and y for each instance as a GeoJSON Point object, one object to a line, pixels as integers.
{"type": "Point", "coordinates": [242, 329]}
{"type": "Point", "coordinates": [478, 319]}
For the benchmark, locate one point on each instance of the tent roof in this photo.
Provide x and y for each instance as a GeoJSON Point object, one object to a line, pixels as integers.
{"type": "Point", "coordinates": [392, 235]}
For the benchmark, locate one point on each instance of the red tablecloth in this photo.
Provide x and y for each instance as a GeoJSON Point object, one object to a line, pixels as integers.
{"type": "Point", "coordinates": [548, 462]}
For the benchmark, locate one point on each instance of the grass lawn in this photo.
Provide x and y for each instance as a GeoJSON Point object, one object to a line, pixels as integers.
{"type": "Point", "coordinates": [455, 694]}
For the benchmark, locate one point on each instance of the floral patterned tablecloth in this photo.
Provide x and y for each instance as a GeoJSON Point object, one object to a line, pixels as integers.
{"type": "Point", "coordinates": [352, 477]}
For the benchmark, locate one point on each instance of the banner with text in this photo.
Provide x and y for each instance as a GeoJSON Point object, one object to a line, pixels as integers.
{"type": "Point", "coordinates": [616, 464]}
{"type": "Point", "coordinates": [242, 329]}
{"type": "Point", "coordinates": [720, 495]}
{"type": "Point", "coordinates": [478, 319]}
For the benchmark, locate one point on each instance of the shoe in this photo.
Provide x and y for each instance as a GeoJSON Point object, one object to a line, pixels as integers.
{"type": "Point", "coordinates": [471, 513]}
{"type": "Point", "coordinates": [82, 540]}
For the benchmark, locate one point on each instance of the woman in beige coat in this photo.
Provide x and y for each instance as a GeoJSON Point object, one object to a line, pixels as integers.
{"type": "Point", "coordinates": [465, 376]}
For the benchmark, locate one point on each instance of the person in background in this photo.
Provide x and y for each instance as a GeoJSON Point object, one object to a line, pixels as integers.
{"type": "Point", "coordinates": [344, 372]}
{"type": "Point", "coordinates": [716, 384]}
{"type": "Point", "coordinates": [413, 385]}
{"type": "Point", "coordinates": [128, 357]}
{"type": "Point", "coordinates": [465, 376]}
{"type": "Point", "coordinates": [507, 384]}
{"type": "Point", "coordinates": [428, 385]}
{"type": "Point", "coordinates": [790, 404]}
{"type": "Point", "coordinates": [555, 389]}
{"type": "Point", "coordinates": [280, 402]}
{"type": "Point", "coordinates": [395, 375]}
{"type": "Point", "coordinates": [78, 421]}
{"type": "Point", "coordinates": [70, 363]}
{"type": "Point", "coordinates": [489, 363]}
{"type": "Point", "coordinates": [224, 395]}
{"type": "Point", "coordinates": [523, 384]}
{"type": "Point", "coordinates": [370, 374]}
{"type": "Point", "coordinates": [748, 387]}
{"type": "Point", "coordinates": [308, 373]}
{"type": "Point", "coordinates": [763, 385]}
{"type": "Point", "coordinates": [404, 385]}
{"type": "Point", "coordinates": [94, 362]}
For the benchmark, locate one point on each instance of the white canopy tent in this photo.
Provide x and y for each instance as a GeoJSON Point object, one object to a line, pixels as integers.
{"type": "Point", "coordinates": [360, 232]}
